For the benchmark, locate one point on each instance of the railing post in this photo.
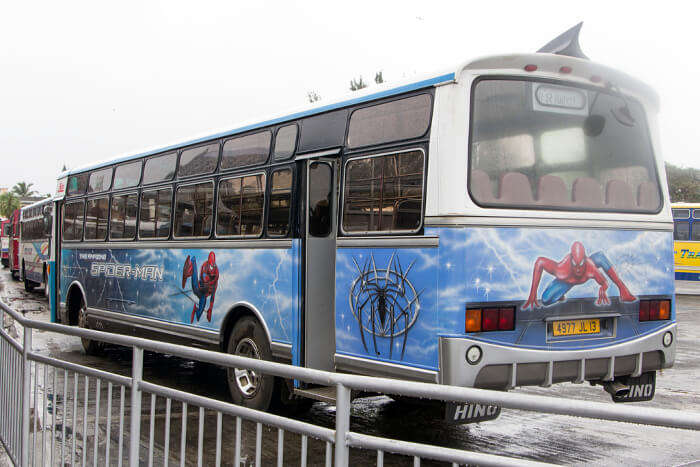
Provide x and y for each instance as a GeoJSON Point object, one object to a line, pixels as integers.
{"type": "Point", "coordinates": [342, 424]}
{"type": "Point", "coordinates": [135, 427]}
{"type": "Point", "coordinates": [26, 393]}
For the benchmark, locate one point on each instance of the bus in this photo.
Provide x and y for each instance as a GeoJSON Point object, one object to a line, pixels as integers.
{"type": "Point", "coordinates": [35, 244]}
{"type": "Point", "coordinates": [686, 246]}
{"type": "Point", "coordinates": [13, 244]}
{"type": "Point", "coordinates": [5, 242]}
{"type": "Point", "coordinates": [503, 224]}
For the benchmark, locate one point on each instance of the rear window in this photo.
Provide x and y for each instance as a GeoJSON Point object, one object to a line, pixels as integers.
{"type": "Point", "coordinates": [537, 145]}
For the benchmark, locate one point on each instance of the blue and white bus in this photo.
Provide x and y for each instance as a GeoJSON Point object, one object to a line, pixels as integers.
{"type": "Point", "coordinates": [35, 248]}
{"type": "Point", "coordinates": [503, 224]}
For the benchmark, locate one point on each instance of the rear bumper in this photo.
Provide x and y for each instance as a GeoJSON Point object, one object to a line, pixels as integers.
{"type": "Point", "coordinates": [505, 367]}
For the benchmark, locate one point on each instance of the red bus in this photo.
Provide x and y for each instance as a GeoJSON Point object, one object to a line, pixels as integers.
{"type": "Point", "coordinates": [14, 244]}
{"type": "Point", "coordinates": [5, 242]}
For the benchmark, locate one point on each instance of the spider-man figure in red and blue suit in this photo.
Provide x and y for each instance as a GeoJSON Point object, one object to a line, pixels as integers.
{"type": "Point", "coordinates": [576, 268]}
{"type": "Point", "coordinates": [203, 285]}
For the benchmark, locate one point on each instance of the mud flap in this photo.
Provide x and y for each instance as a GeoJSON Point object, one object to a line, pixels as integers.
{"type": "Point", "coordinates": [470, 412]}
{"type": "Point", "coordinates": [641, 388]}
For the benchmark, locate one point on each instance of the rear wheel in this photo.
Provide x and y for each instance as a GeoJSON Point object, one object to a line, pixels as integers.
{"type": "Point", "coordinates": [28, 285]}
{"type": "Point", "coordinates": [250, 388]}
{"type": "Point", "coordinates": [91, 347]}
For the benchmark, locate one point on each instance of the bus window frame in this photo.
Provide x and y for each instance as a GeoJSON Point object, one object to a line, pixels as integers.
{"type": "Point", "coordinates": [145, 160]}
{"type": "Point", "coordinates": [138, 215]}
{"type": "Point", "coordinates": [270, 149]}
{"type": "Point", "coordinates": [291, 165]}
{"type": "Point", "coordinates": [673, 213]}
{"type": "Point", "coordinates": [195, 146]}
{"type": "Point", "coordinates": [273, 144]}
{"type": "Point", "coordinates": [108, 197]}
{"type": "Point", "coordinates": [172, 187]}
{"type": "Point", "coordinates": [384, 152]}
{"type": "Point", "coordinates": [263, 220]}
{"type": "Point", "coordinates": [63, 221]}
{"type": "Point", "coordinates": [173, 208]}
{"type": "Point", "coordinates": [534, 208]}
{"type": "Point", "coordinates": [142, 162]}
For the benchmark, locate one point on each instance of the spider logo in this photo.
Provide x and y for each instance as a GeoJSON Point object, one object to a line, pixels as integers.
{"type": "Point", "coordinates": [384, 302]}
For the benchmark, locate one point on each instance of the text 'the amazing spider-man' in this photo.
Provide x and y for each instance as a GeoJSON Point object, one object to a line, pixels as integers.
{"type": "Point", "coordinates": [576, 268]}
{"type": "Point", "coordinates": [203, 284]}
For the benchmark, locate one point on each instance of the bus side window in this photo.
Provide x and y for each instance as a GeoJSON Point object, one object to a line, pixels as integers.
{"type": "Point", "coordinates": [320, 199]}
{"type": "Point", "coordinates": [193, 210]}
{"type": "Point", "coordinates": [681, 230]}
{"type": "Point", "coordinates": [155, 213]}
{"type": "Point", "coordinates": [123, 217]}
{"type": "Point", "coordinates": [384, 193]}
{"type": "Point", "coordinates": [240, 206]}
{"type": "Point", "coordinates": [73, 220]}
{"type": "Point", "coordinates": [280, 203]}
{"type": "Point", "coordinates": [96, 219]}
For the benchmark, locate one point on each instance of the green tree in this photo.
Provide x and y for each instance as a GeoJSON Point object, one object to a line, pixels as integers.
{"type": "Point", "coordinates": [23, 189]}
{"type": "Point", "coordinates": [8, 203]}
{"type": "Point", "coordinates": [313, 96]}
{"type": "Point", "coordinates": [683, 183]}
{"type": "Point", "coordinates": [357, 84]}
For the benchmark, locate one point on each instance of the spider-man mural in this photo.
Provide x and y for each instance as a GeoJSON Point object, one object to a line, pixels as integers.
{"type": "Point", "coordinates": [203, 284]}
{"type": "Point", "coordinates": [576, 268]}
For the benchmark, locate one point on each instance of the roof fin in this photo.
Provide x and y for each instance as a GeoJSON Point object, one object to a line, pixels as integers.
{"type": "Point", "coordinates": [566, 44]}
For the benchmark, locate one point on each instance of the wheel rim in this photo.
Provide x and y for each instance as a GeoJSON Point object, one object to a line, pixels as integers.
{"type": "Point", "coordinates": [247, 381]}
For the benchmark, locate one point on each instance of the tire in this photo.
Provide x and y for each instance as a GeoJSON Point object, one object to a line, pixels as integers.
{"type": "Point", "coordinates": [249, 388]}
{"type": "Point", "coordinates": [28, 285]}
{"type": "Point", "coordinates": [90, 346]}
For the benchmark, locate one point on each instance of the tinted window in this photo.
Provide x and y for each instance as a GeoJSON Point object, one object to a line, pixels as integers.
{"type": "Point", "coordinates": [681, 230]}
{"type": "Point", "coordinates": [159, 169]}
{"type": "Point", "coordinates": [323, 131]}
{"type": "Point", "coordinates": [154, 221]}
{"type": "Point", "coordinates": [393, 121]}
{"type": "Point", "coordinates": [199, 160]}
{"type": "Point", "coordinates": [193, 210]}
{"type": "Point", "coordinates": [77, 184]}
{"type": "Point", "coordinates": [384, 193]}
{"type": "Point", "coordinates": [696, 232]}
{"type": "Point", "coordinates": [96, 219]}
{"type": "Point", "coordinates": [537, 145]}
{"type": "Point", "coordinates": [246, 150]}
{"type": "Point", "coordinates": [285, 142]}
{"type": "Point", "coordinates": [122, 223]}
{"type": "Point", "coordinates": [240, 206]}
{"type": "Point", "coordinates": [696, 213]}
{"type": "Point", "coordinates": [280, 203]}
{"type": "Point", "coordinates": [73, 220]}
{"type": "Point", "coordinates": [100, 180]}
{"type": "Point", "coordinates": [681, 213]}
{"type": "Point", "coordinates": [320, 199]}
{"type": "Point", "coordinates": [127, 175]}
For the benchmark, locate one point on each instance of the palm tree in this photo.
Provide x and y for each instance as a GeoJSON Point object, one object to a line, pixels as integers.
{"type": "Point", "coordinates": [22, 189]}
{"type": "Point", "coordinates": [8, 203]}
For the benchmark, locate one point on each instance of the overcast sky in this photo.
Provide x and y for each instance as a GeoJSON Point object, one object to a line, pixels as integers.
{"type": "Point", "coordinates": [83, 80]}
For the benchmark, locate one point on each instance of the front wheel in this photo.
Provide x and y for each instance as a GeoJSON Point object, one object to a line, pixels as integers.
{"type": "Point", "coordinates": [250, 388]}
{"type": "Point", "coordinates": [91, 347]}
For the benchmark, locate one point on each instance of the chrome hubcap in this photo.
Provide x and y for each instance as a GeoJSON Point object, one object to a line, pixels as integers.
{"type": "Point", "coordinates": [246, 380]}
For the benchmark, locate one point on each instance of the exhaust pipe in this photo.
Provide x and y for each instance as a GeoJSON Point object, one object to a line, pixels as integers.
{"type": "Point", "coordinates": [616, 388]}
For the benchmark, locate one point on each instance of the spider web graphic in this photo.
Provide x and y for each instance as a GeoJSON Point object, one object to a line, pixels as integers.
{"type": "Point", "coordinates": [384, 302]}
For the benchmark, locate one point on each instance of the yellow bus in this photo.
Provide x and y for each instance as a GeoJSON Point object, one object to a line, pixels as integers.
{"type": "Point", "coordinates": [686, 241]}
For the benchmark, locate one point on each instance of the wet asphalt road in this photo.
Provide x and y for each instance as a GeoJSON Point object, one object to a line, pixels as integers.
{"type": "Point", "coordinates": [542, 437]}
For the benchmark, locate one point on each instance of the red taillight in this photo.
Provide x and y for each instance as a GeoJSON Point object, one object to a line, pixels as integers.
{"type": "Point", "coordinates": [565, 69]}
{"type": "Point", "coordinates": [654, 310]}
{"type": "Point", "coordinates": [644, 310]}
{"type": "Point", "coordinates": [506, 319]}
{"type": "Point", "coordinates": [530, 67]}
{"type": "Point", "coordinates": [489, 319]}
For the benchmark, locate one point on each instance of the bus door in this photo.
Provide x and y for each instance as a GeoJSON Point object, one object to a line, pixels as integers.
{"type": "Point", "coordinates": [319, 263]}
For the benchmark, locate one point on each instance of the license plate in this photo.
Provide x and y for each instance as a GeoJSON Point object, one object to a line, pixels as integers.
{"type": "Point", "coordinates": [576, 327]}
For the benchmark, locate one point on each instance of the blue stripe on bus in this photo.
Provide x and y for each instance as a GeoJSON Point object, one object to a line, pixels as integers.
{"type": "Point", "coordinates": [687, 276]}
{"type": "Point", "coordinates": [337, 105]}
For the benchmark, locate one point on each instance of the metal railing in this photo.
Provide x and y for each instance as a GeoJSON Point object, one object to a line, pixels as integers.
{"type": "Point", "coordinates": [31, 379]}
